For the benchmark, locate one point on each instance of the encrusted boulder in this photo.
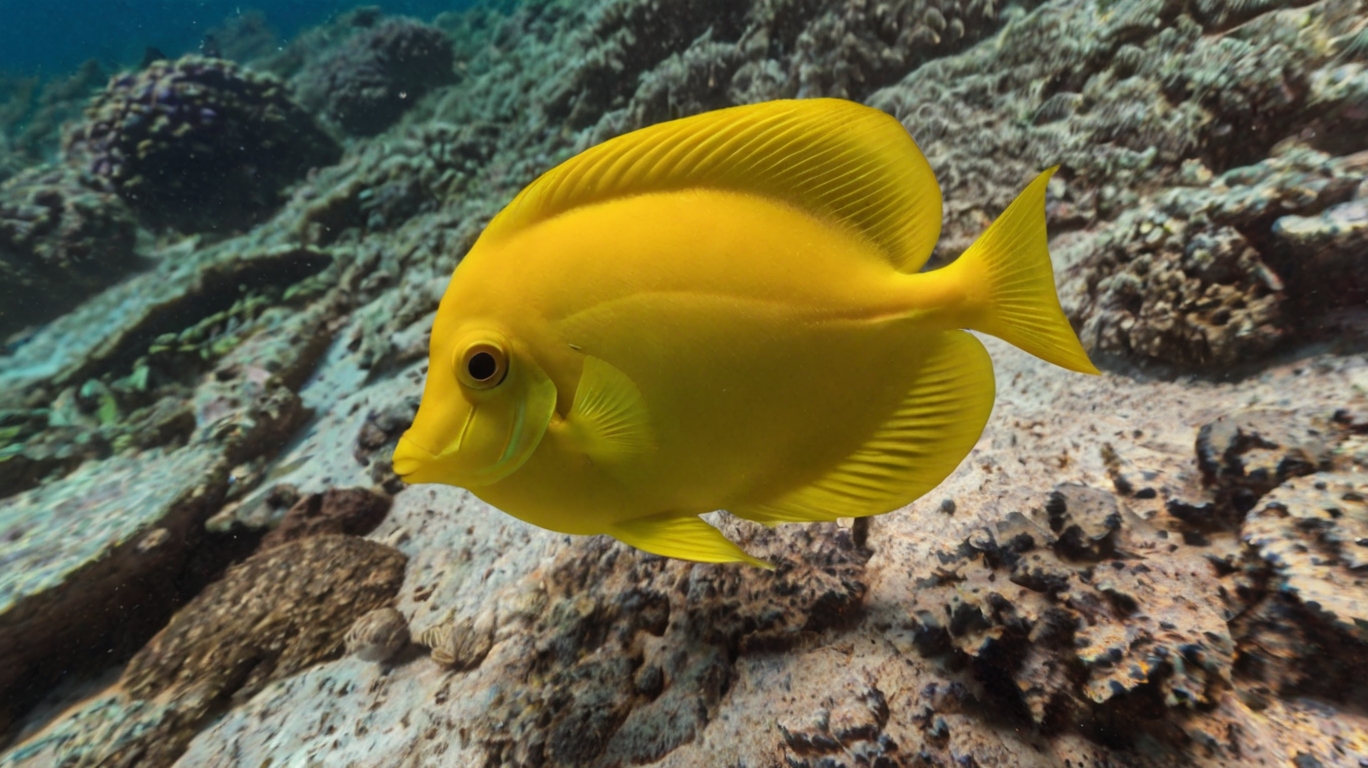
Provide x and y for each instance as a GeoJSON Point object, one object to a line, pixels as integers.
{"type": "Point", "coordinates": [60, 241]}
{"type": "Point", "coordinates": [197, 143]}
{"type": "Point", "coordinates": [1180, 281]}
{"type": "Point", "coordinates": [272, 616]}
{"type": "Point", "coordinates": [372, 78]}
{"type": "Point", "coordinates": [276, 613]}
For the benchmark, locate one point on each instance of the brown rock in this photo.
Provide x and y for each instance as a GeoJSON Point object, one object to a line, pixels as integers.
{"type": "Point", "coordinates": [278, 612]}
{"type": "Point", "coordinates": [353, 511]}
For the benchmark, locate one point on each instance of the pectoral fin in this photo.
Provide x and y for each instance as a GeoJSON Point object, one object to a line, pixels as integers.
{"type": "Point", "coordinates": [608, 421]}
{"type": "Point", "coordinates": [685, 537]}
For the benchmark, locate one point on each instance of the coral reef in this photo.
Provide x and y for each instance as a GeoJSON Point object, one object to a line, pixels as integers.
{"type": "Point", "coordinates": [1161, 127]}
{"type": "Point", "coordinates": [33, 110]}
{"type": "Point", "coordinates": [1130, 569]}
{"type": "Point", "coordinates": [377, 74]}
{"type": "Point", "coordinates": [198, 143]}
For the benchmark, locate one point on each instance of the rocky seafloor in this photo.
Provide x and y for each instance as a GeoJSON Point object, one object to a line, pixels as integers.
{"type": "Point", "coordinates": [217, 274]}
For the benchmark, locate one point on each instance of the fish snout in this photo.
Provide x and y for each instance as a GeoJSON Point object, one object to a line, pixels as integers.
{"type": "Point", "coordinates": [412, 463]}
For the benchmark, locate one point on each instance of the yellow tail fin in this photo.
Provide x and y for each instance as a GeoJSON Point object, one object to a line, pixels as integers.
{"type": "Point", "coordinates": [1009, 267]}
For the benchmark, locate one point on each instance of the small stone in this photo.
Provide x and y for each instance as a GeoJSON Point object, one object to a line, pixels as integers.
{"type": "Point", "coordinates": [154, 539]}
{"type": "Point", "coordinates": [461, 645]}
{"type": "Point", "coordinates": [650, 681]}
{"type": "Point", "coordinates": [378, 636]}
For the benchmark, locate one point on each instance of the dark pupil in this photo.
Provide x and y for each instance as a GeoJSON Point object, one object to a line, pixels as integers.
{"type": "Point", "coordinates": [482, 366]}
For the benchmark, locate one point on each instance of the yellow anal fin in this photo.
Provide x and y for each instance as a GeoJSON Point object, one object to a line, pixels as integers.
{"type": "Point", "coordinates": [919, 445]}
{"type": "Point", "coordinates": [609, 420]}
{"type": "Point", "coordinates": [685, 537]}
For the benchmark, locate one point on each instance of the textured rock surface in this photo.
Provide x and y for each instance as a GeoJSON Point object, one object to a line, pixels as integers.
{"type": "Point", "coordinates": [1084, 612]}
{"type": "Point", "coordinates": [271, 616]}
{"type": "Point", "coordinates": [1125, 571]}
{"type": "Point", "coordinates": [531, 633]}
{"type": "Point", "coordinates": [1310, 533]}
{"type": "Point", "coordinates": [86, 562]}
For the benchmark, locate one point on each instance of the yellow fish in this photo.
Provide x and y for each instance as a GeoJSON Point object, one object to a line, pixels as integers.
{"type": "Point", "coordinates": [726, 312]}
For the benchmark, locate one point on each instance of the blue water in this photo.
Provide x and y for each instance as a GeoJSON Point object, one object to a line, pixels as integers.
{"type": "Point", "coordinates": [55, 36]}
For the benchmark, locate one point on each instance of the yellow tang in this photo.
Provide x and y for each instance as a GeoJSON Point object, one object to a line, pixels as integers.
{"type": "Point", "coordinates": [726, 312]}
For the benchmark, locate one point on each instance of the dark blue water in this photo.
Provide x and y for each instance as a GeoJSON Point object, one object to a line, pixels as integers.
{"type": "Point", "coordinates": [54, 36]}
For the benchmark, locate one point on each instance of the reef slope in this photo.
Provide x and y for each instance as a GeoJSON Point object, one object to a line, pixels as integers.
{"type": "Point", "coordinates": [205, 554]}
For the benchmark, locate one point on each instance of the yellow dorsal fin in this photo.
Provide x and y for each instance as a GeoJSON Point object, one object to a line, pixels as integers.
{"type": "Point", "coordinates": [685, 537]}
{"type": "Point", "coordinates": [839, 159]}
{"type": "Point", "coordinates": [919, 445]}
{"type": "Point", "coordinates": [609, 420]}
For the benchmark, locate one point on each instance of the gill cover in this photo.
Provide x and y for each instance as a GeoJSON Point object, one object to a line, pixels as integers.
{"type": "Point", "coordinates": [485, 408]}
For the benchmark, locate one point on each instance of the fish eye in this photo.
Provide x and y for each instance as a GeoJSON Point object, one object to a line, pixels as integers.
{"type": "Point", "coordinates": [482, 365]}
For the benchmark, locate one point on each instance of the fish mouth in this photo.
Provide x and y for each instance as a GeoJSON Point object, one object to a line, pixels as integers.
{"type": "Point", "coordinates": [416, 464]}
{"type": "Point", "coordinates": [410, 461]}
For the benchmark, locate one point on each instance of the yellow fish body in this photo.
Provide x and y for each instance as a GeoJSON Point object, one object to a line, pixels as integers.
{"type": "Point", "coordinates": [726, 312]}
